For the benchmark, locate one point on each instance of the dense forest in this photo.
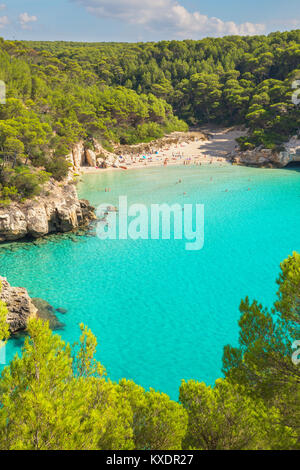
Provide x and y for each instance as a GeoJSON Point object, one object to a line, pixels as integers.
{"type": "Point", "coordinates": [58, 397]}
{"type": "Point", "coordinates": [231, 80]}
{"type": "Point", "coordinates": [61, 92]}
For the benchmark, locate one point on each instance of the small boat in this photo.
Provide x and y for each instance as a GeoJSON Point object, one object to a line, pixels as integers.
{"type": "Point", "coordinates": [123, 167]}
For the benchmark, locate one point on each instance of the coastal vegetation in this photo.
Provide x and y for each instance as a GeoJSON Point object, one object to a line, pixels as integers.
{"type": "Point", "coordinates": [58, 397]}
{"type": "Point", "coordinates": [51, 105]}
{"type": "Point", "coordinates": [4, 329]}
{"type": "Point", "coordinates": [59, 93]}
{"type": "Point", "coordinates": [231, 80]}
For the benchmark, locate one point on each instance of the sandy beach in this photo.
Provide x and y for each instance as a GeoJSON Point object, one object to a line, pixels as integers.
{"type": "Point", "coordinates": [195, 151]}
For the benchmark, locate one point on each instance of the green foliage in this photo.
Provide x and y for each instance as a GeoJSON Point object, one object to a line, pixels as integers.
{"type": "Point", "coordinates": [263, 361]}
{"type": "Point", "coordinates": [288, 304]}
{"type": "Point", "coordinates": [244, 80]}
{"type": "Point", "coordinates": [52, 103]}
{"type": "Point", "coordinates": [225, 418]}
{"type": "Point", "coordinates": [23, 182]}
{"type": "Point", "coordinates": [158, 423]}
{"type": "Point", "coordinates": [4, 332]}
{"type": "Point", "coordinates": [58, 168]}
{"type": "Point", "coordinates": [59, 93]}
{"type": "Point", "coordinates": [66, 403]}
{"type": "Point", "coordinates": [58, 397]}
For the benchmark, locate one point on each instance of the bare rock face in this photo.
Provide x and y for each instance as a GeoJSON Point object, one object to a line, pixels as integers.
{"type": "Point", "coordinates": [78, 155]}
{"type": "Point", "coordinates": [91, 158]}
{"type": "Point", "coordinates": [258, 157]}
{"type": "Point", "coordinates": [20, 306]}
{"type": "Point", "coordinates": [264, 157]}
{"type": "Point", "coordinates": [58, 209]}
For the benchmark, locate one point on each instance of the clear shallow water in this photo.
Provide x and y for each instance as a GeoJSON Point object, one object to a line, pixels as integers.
{"type": "Point", "coordinates": [162, 314]}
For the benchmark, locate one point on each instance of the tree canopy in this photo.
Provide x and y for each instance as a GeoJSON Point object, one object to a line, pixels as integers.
{"type": "Point", "coordinates": [59, 93]}
{"type": "Point", "coordinates": [58, 397]}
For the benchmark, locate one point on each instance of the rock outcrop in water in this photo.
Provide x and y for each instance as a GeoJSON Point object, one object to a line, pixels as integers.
{"type": "Point", "coordinates": [19, 304]}
{"type": "Point", "coordinates": [45, 312]}
{"type": "Point", "coordinates": [261, 157]}
{"type": "Point", "coordinates": [21, 308]}
{"type": "Point", "coordinates": [57, 210]}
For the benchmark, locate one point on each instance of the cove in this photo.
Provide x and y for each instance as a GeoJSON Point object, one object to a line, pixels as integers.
{"type": "Point", "coordinates": [162, 314]}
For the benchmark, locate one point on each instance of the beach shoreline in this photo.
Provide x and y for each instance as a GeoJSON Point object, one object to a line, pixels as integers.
{"type": "Point", "coordinates": [93, 171]}
{"type": "Point", "coordinates": [194, 152]}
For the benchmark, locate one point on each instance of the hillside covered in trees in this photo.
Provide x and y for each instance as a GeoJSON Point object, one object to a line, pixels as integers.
{"type": "Point", "coordinates": [59, 93]}
{"type": "Point", "coordinates": [57, 397]}
{"type": "Point", "coordinates": [231, 80]}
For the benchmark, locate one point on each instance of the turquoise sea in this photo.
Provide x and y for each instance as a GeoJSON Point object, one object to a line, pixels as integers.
{"type": "Point", "coordinates": [161, 313]}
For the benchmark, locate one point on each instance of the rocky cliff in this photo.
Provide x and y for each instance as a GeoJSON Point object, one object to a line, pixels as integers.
{"type": "Point", "coordinates": [261, 157]}
{"type": "Point", "coordinates": [82, 157]}
{"type": "Point", "coordinates": [20, 306]}
{"type": "Point", "coordinates": [57, 209]}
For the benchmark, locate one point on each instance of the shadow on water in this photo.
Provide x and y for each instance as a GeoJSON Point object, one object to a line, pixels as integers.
{"type": "Point", "coordinates": [28, 243]}
{"type": "Point", "coordinates": [18, 339]}
{"type": "Point", "coordinates": [294, 166]}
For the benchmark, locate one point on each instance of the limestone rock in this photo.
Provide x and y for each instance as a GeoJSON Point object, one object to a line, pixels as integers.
{"type": "Point", "coordinates": [58, 209]}
{"type": "Point", "coordinates": [13, 224]}
{"type": "Point", "coordinates": [265, 157]}
{"type": "Point", "coordinates": [78, 155]}
{"type": "Point", "coordinates": [37, 222]}
{"type": "Point", "coordinates": [63, 311]}
{"type": "Point", "coordinates": [90, 158]}
{"type": "Point", "coordinates": [45, 312]}
{"type": "Point", "coordinates": [20, 306]}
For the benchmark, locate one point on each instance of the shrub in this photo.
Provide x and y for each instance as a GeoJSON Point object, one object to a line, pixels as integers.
{"type": "Point", "coordinates": [28, 184]}
{"type": "Point", "coordinates": [58, 167]}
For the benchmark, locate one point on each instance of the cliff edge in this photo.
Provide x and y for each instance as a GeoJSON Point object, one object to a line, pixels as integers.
{"type": "Point", "coordinates": [19, 305]}
{"type": "Point", "coordinates": [261, 157]}
{"type": "Point", "coordinates": [56, 210]}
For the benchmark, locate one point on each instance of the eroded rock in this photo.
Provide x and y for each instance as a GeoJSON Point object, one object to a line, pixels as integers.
{"type": "Point", "coordinates": [90, 158]}
{"type": "Point", "coordinates": [45, 312]}
{"type": "Point", "coordinates": [63, 311]}
{"type": "Point", "coordinates": [20, 306]}
{"type": "Point", "coordinates": [57, 210]}
{"type": "Point", "coordinates": [261, 157]}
